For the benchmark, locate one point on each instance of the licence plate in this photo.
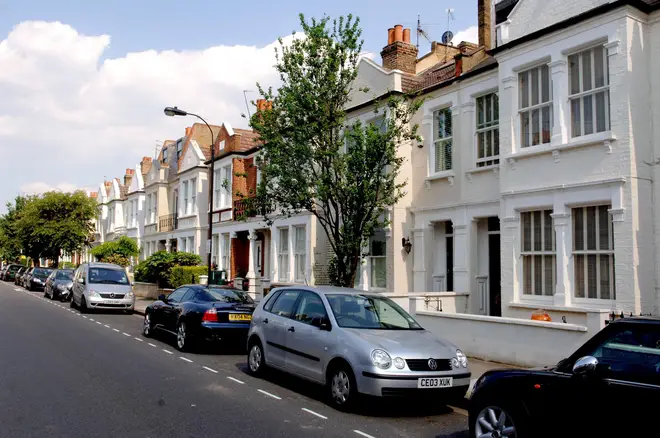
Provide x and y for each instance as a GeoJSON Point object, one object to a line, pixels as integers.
{"type": "Point", "coordinates": [112, 302]}
{"type": "Point", "coordinates": [240, 317]}
{"type": "Point", "coordinates": [434, 382]}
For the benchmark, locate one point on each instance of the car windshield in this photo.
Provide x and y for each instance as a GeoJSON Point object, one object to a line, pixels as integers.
{"type": "Point", "coordinates": [14, 268]}
{"type": "Point", "coordinates": [40, 272]}
{"type": "Point", "coordinates": [370, 312]}
{"type": "Point", "coordinates": [229, 296]}
{"type": "Point", "coordinates": [107, 276]}
{"type": "Point", "coordinates": [64, 275]}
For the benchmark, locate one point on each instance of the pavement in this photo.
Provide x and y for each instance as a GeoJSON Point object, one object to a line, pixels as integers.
{"type": "Point", "coordinates": [70, 375]}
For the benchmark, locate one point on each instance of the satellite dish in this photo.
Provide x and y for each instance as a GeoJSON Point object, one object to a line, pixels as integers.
{"type": "Point", "coordinates": [447, 37]}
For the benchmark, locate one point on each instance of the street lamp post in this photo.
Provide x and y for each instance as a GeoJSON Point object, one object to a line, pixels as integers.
{"type": "Point", "coordinates": [174, 111]}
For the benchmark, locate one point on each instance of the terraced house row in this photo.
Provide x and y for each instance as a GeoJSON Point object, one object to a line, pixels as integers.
{"type": "Point", "coordinates": [534, 185]}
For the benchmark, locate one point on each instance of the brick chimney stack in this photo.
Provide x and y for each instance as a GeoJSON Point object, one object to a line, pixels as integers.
{"type": "Point", "coordinates": [399, 54]}
{"type": "Point", "coordinates": [128, 177]}
{"type": "Point", "coordinates": [484, 22]}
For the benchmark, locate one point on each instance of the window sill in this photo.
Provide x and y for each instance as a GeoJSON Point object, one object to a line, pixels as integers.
{"type": "Point", "coordinates": [552, 307]}
{"type": "Point", "coordinates": [602, 138]}
{"type": "Point", "coordinates": [495, 168]}
{"type": "Point", "coordinates": [186, 216]}
{"type": "Point", "coordinates": [449, 175]}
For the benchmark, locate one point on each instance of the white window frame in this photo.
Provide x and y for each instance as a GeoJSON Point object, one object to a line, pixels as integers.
{"type": "Point", "coordinates": [184, 190]}
{"type": "Point", "coordinates": [598, 253]}
{"type": "Point", "coordinates": [283, 250]}
{"type": "Point", "coordinates": [217, 187]}
{"type": "Point", "coordinates": [528, 256]}
{"type": "Point", "coordinates": [441, 141]}
{"type": "Point", "coordinates": [582, 94]}
{"type": "Point", "coordinates": [299, 254]}
{"type": "Point", "coordinates": [372, 264]}
{"type": "Point", "coordinates": [531, 108]}
{"type": "Point", "coordinates": [224, 194]}
{"type": "Point", "coordinates": [225, 252]}
{"type": "Point", "coordinates": [191, 244]}
{"type": "Point", "coordinates": [488, 129]}
{"type": "Point", "coordinates": [193, 196]}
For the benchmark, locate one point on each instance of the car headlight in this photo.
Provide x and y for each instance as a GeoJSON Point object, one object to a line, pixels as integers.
{"type": "Point", "coordinates": [455, 363]}
{"type": "Point", "coordinates": [129, 295]}
{"type": "Point", "coordinates": [462, 358]}
{"type": "Point", "coordinates": [399, 363]}
{"type": "Point", "coordinates": [94, 294]}
{"type": "Point", "coordinates": [381, 359]}
{"type": "Point", "coordinates": [36, 280]}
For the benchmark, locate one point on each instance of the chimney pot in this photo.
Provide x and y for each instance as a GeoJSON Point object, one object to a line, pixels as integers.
{"type": "Point", "coordinates": [390, 36]}
{"type": "Point", "coordinates": [406, 36]}
{"type": "Point", "coordinates": [398, 32]}
{"type": "Point", "coordinates": [188, 129]}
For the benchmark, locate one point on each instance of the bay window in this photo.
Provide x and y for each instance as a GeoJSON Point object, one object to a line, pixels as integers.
{"type": "Point", "coordinates": [535, 106]}
{"type": "Point", "coordinates": [589, 92]}
{"type": "Point", "coordinates": [593, 253]}
{"type": "Point", "coordinates": [488, 131]}
{"type": "Point", "coordinates": [538, 253]}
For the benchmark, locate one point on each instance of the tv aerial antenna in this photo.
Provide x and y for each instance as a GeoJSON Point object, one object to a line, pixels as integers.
{"type": "Point", "coordinates": [422, 32]}
{"type": "Point", "coordinates": [159, 146]}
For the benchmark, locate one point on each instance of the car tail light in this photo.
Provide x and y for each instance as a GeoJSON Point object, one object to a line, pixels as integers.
{"type": "Point", "coordinates": [210, 315]}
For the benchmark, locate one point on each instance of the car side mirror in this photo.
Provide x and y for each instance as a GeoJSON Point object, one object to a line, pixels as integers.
{"type": "Point", "coordinates": [162, 298]}
{"type": "Point", "coordinates": [585, 365]}
{"type": "Point", "coordinates": [321, 323]}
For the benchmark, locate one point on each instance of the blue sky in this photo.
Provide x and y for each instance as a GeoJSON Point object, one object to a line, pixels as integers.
{"type": "Point", "coordinates": [84, 82]}
{"type": "Point", "coordinates": [196, 24]}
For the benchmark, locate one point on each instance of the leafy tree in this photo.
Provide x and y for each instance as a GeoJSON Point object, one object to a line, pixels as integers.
{"type": "Point", "coordinates": [118, 251]}
{"type": "Point", "coordinates": [314, 159]}
{"type": "Point", "coordinates": [10, 243]}
{"type": "Point", "coordinates": [56, 222]}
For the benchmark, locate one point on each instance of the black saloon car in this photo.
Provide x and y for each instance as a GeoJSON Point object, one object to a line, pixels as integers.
{"type": "Point", "coordinates": [610, 387]}
{"type": "Point", "coordinates": [37, 280]}
{"type": "Point", "coordinates": [198, 313]}
{"type": "Point", "coordinates": [58, 283]}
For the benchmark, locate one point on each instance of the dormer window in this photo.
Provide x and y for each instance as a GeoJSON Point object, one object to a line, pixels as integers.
{"type": "Point", "coordinates": [164, 155]}
{"type": "Point", "coordinates": [179, 149]}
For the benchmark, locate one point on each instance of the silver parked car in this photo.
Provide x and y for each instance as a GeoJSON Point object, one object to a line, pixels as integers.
{"type": "Point", "coordinates": [102, 286]}
{"type": "Point", "coordinates": [353, 342]}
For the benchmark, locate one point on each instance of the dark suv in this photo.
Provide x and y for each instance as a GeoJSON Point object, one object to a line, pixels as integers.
{"type": "Point", "coordinates": [609, 387]}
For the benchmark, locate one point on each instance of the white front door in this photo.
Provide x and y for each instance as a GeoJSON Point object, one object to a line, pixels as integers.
{"type": "Point", "coordinates": [258, 252]}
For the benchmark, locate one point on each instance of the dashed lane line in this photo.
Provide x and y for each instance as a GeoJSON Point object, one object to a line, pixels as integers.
{"type": "Point", "coordinates": [235, 380]}
{"type": "Point", "coordinates": [138, 339]}
{"type": "Point", "coordinates": [309, 411]}
{"type": "Point", "coordinates": [116, 330]}
{"type": "Point", "coordinates": [269, 394]}
{"type": "Point", "coordinates": [186, 359]}
{"type": "Point", "coordinates": [366, 435]}
{"type": "Point", "coordinates": [167, 351]}
{"type": "Point", "coordinates": [98, 322]}
{"type": "Point", "coordinates": [152, 345]}
{"type": "Point", "coordinates": [126, 334]}
{"type": "Point", "coordinates": [106, 326]}
{"type": "Point", "coordinates": [210, 369]}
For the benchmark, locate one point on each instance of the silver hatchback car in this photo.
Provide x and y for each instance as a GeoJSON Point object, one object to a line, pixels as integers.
{"type": "Point", "coordinates": [353, 342]}
{"type": "Point", "coordinates": [102, 286]}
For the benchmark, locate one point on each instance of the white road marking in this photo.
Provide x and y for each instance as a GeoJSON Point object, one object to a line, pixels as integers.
{"type": "Point", "coordinates": [210, 369]}
{"type": "Point", "coordinates": [17, 289]}
{"type": "Point", "coordinates": [116, 330]}
{"type": "Point", "coordinates": [126, 334]}
{"type": "Point", "coordinates": [91, 319]}
{"type": "Point", "coordinates": [269, 394]}
{"type": "Point", "coordinates": [167, 351]}
{"type": "Point", "coordinates": [359, 432]}
{"type": "Point", "coordinates": [98, 322]}
{"type": "Point", "coordinates": [151, 344]}
{"type": "Point", "coordinates": [138, 339]}
{"type": "Point", "coordinates": [88, 318]}
{"type": "Point", "coordinates": [185, 358]}
{"type": "Point", "coordinates": [235, 380]}
{"type": "Point", "coordinates": [315, 413]}
{"type": "Point", "coordinates": [106, 326]}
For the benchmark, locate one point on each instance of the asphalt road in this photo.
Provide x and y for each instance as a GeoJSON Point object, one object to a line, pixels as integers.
{"type": "Point", "coordinates": [63, 374]}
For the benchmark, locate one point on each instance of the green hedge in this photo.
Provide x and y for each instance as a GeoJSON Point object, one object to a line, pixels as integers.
{"type": "Point", "coordinates": [180, 275]}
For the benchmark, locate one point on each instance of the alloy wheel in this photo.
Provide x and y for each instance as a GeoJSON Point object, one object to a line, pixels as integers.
{"type": "Point", "coordinates": [181, 339]}
{"type": "Point", "coordinates": [494, 422]}
{"type": "Point", "coordinates": [254, 359]}
{"type": "Point", "coordinates": [340, 387]}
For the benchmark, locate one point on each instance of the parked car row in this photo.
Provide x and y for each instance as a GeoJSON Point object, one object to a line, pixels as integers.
{"type": "Point", "coordinates": [31, 278]}
{"type": "Point", "coordinates": [347, 340]}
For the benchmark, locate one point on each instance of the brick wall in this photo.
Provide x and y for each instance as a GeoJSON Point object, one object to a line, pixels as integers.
{"type": "Point", "coordinates": [400, 56]}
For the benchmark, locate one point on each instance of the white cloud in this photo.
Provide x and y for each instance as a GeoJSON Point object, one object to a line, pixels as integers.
{"type": "Point", "coordinates": [471, 35]}
{"type": "Point", "coordinates": [68, 116]}
{"type": "Point", "coordinates": [38, 187]}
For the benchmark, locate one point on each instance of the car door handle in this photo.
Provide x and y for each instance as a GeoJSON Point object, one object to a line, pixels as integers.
{"type": "Point", "coordinates": [292, 329]}
{"type": "Point", "coordinates": [266, 321]}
